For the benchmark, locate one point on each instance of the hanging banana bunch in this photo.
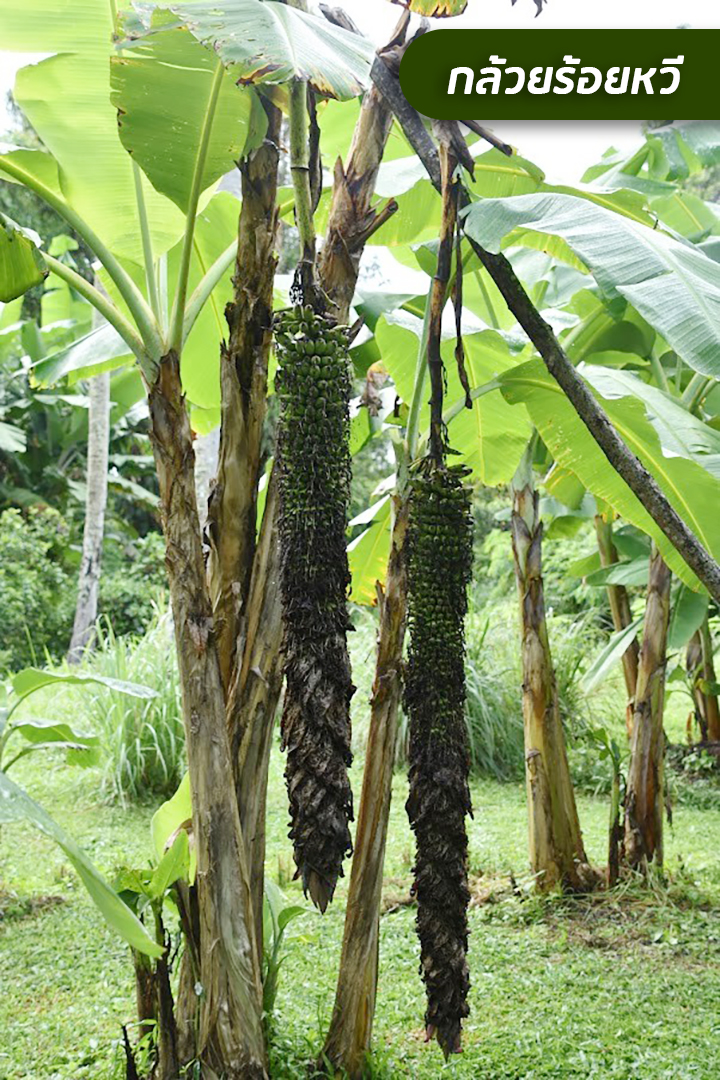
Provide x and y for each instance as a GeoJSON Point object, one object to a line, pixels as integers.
{"type": "Point", "coordinates": [439, 546]}
{"type": "Point", "coordinates": [439, 570]}
{"type": "Point", "coordinates": [313, 459]}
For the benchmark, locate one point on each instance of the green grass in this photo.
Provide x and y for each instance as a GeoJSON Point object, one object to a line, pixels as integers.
{"type": "Point", "coordinates": [622, 986]}
{"type": "Point", "coordinates": [142, 740]}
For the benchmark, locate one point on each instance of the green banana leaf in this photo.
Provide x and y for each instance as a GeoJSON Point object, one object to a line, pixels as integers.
{"type": "Point", "coordinates": [161, 85]}
{"type": "Point", "coordinates": [21, 264]}
{"type": "Point", "coordinates": [673, 285]}
{"type": "Point", "coordinates": [691, 489]}
{"type": "Point", "coordinates": [273, 43]}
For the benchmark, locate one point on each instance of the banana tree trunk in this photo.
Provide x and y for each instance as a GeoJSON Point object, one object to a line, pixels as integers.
{"type": "Point", "coordinates": [711, 698]}
{"type": "Point", "coordinates": [145, 997]}
{"type": "Point", "coordinates": [694, 669]}
{"type": "Point", "coordinates": [253, 699]}
{"type": "Point", "coordinates": [186, 1001]}
{"type": "Point", "coordinates": [232, 510]}
{"type": "Point", "coordinates": [351, 219]}
{"type": "Point", "coordinates": [167, 1065]}
{"type": "Point", "coordinates": [700, 665]}
{"type": "Point", "coordinates": [621, 614]}
{"type": "Point", "coordinates": [557, 854]}
{"type": "Point", "coordinates": [644, 799]}
{"type": "Point", "coordinates": [242, 580]}
{"type": "Point", "coordinates": [95, 503]}
{"type": "Point", "coordinates": [207, 449]}
{"type": "Point", "coordinates": [348, 1041]}
{"type": "Point", "coordinates": [230, 1040]}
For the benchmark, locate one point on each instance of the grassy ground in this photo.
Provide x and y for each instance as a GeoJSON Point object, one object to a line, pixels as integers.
{"type": "Point", "coordinates": [615, 987]}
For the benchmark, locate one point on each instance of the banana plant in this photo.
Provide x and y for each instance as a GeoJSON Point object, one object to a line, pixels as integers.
{"type": "Point", "coordinates": [33, 734]}
{"type": "Point", "coordinates": [149, 892]}
{"type": "Point", "coordinates": [635, 269]}
{"type": "Point", "coordinates": [139, 214]}
{"type": "Point", "coordinates": [154, 891]}
{"type": "Point", "coordinates": [155, 288]}
{"type": "Point", "coordinates": [642, 362]}
{"type": "Point", "coordinates": [620, 316]}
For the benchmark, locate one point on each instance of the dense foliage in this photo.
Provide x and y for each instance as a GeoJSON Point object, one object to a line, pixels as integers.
{"type": "Point", "coordinates": [132, 583]}
{"type": "Point", "coordinates": [38, 575]}
{"type": "Point", "coordinates": [36, 587]}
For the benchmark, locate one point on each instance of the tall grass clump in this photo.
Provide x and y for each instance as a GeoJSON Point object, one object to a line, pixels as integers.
{"type": "Point", "coordinates": [493, 709]}
{"type": "Point", "coordinates": [142, 740]}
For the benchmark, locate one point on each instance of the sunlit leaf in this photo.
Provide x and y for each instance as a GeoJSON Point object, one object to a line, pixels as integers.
{"type": "Point", "coordinates": [489, 437]}
{"type": "Point", "coordinates": [161, 86]}
{"type": "Point", "coordinates": [680, 150]}
{"type": "Point", "coordinates": [37, 730]}
{"type": "Point", "coordinates": [12, 439]}
{"type": "Point", "coordinates": [621, 573]}
{"type": "Point", "coordinates": [688, 613]}
{"type": "Point", "coordinates": [21, 264]}
{"type": "Point", "coordinates": [673, 285]}
{"type": "Point", "coordinates": [273, 43]}
{"type": "Point", "coordinates": [368, 553]}
{"type": "Point", "coordinates": [66, 99]}
{"type": "Point", "coordinates": [437, 9]}
{"type": "Point", "coordinates": [616, 646]}
{"type": "Point", "coordinates": [29, 680]}
{"type": "Point", "coordinates": [691, 489]}
{"type": "Point", "coordinates": [174, 816]}
{"type": "Point", "coordinates": [101, 350]}
{"type": "Point", "coordinates": [174, 864]}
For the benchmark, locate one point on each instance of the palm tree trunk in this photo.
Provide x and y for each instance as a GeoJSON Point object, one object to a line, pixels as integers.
{"type": "Point", "coordinates": [557, 854]}
{"type": "Point", "coordinates": [348, 1041]}
{"type": "Point", "coordinates": [230, 1035]}
{"type": "Point", "coordinates": [95, 503]}
{"type": "Point", "coordinates": [644, 800]}
{"type": "Point", "coordinates": [621, 614]}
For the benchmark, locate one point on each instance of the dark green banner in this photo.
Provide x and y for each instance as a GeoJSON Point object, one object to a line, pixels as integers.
{"type": "Point", "coordinates": [563, 74]}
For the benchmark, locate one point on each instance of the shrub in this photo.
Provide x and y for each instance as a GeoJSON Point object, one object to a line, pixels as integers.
{"type": "Point", "coordinates": [36, 587]}
{"type": "Point", "coordinates": [142, 740]}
